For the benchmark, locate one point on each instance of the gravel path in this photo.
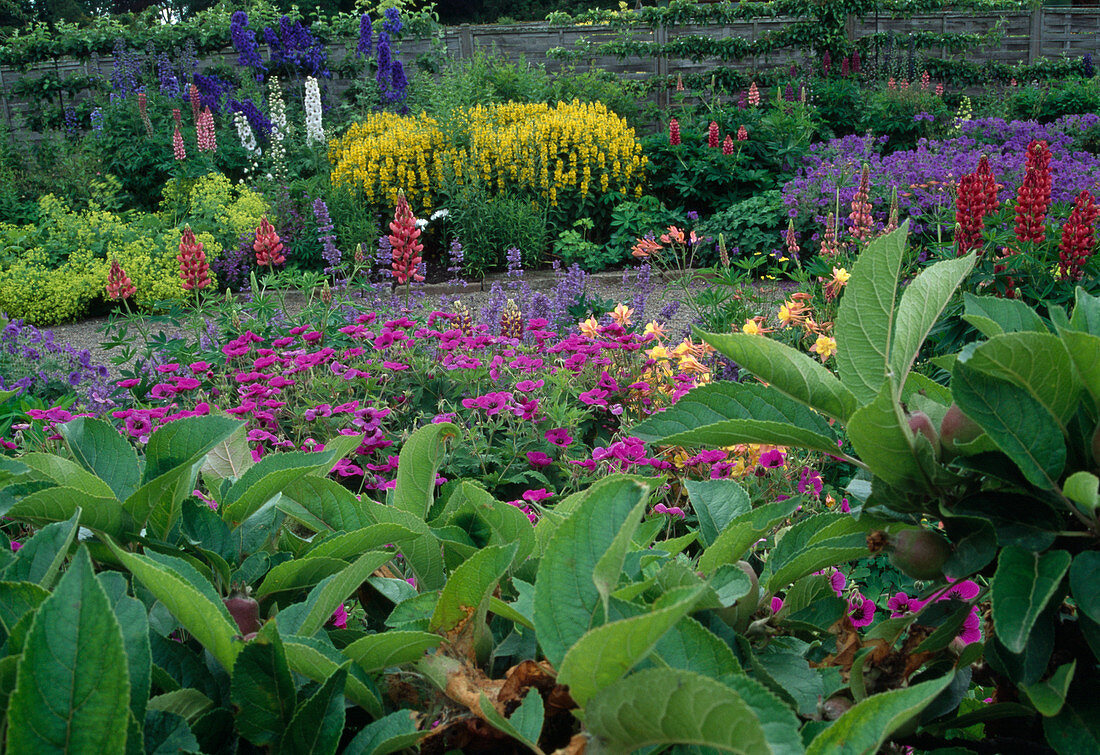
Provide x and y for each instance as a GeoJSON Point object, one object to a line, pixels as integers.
{"type": "Point", "coordinates": [90, 333]}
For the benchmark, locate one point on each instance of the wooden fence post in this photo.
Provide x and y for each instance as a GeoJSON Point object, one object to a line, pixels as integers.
{"type": "Point", "coordinates": [1035, 35]}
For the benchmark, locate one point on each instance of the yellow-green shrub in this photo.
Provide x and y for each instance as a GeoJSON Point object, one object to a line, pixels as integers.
{"type": "Point", "coordinates": [212, 204]}
{"type": "Point", "coordinates": [565, 153]}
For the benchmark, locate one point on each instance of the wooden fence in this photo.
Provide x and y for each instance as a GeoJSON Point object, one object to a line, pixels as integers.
{"type": "Point", "coordinates": [1027, 37]}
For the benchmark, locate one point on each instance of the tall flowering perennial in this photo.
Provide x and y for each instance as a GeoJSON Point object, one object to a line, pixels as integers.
{"type": "Point", "coordinates": [964, 114]}
{"type": "Point", "coordinates": [742, 133]}
{"type": "Point", "coordinates": [268, 247]}
{"type": "Point", "coordinates": [119, 285]}
{"type": "Point", "coordinates": [829, 244]}
{"type": "Point", "coordinates": [329, 251]}
{"type": "Point", "coordinates": [406, 248]}
{"type": "Point", "coordinates": [989, 185]}
{"type": "Point", "coordinates": [143, 111]}
{"type": "Point", "coordinates": [315, 132]}
{"type": "Point", "coordinates": [712, 135]}
{"type": "Point", "coordinates": [247, 137]}
{"type": "Point", "coordinates": [178, 150]}
{"type": "Point", "coordinates": [194, 269]}
{"type": "Point", "coordinates": [363, 47]}
{"type": "Point", "coordinates": [177, 118]}
{"type": "Point", "coordinates": [791, 240]}
{"type": "Point", "coordinates": [208, 142]}
{"type": "Point", "coordinates": [727, 145]}
{"type": "Point", "coordinates": [1033, 196]}
{"type": "Point", "coordinates": [673, 132]}
{"type": "Point", "coordinates": [861, 207]}
{"type": "Point", "coordinates": [280, 129]}
{"type": "Point", "coordinates": [754, 95]}
{"type": "Point", "coordinates": [1078, 237]}
{"type": "Point", "coordinates": [970, 207]}
{"type": "Point", "coordinates": [244, 42]}
{"type": "Point", "coordinates": [196, 103]}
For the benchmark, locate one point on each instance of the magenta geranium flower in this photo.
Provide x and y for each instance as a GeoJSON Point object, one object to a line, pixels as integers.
{"type": "Point", "coordinates": [340, 617]}
{"type": "Point", "coordinates": [902, 604]}
{"type": "Point", "coordinates": [971, 628]}
{"type": "Point", "coordinates": [538, 459]}
{"type": "Point", "coordinates": [861, 611]}
{"type": "Point", "coordinates": [559, 436]}
{"type": "Point", "coordinates": [772, 459]}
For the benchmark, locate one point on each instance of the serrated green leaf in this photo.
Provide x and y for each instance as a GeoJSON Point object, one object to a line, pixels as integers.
{"type": "Point", "coordinates": [41, 557]}
{"type": "Point", "coordinates": [922, 303]}
{"type": "Point", "coordinates": [348, 545]}
{"type": "Point", "coordinates": [721, 414]}
{"type": "Point", "coordinates": [72, 691]}
{"type": "Point", "coordinates": [203, 618]}
{"type": "Point", "coordinates": [788, 371]}
{"type": "Point", "coordinates": [262, 690]}
{"type": "Point", "coordinates": [467, 591]}
{"type": "Point", "coordinates": [188, 703]}
{"type": "Point", "coordinates": [603, 654]}
{"type": "Point", "coordinates": [418, 462]}
{"type": "Point", "coordinates": [316, 661]}
{"type": "Point", "coordinates": [422, 553]}
{"type": "Point", "coordinates": [67, 473]}
{"type": "Point", "coordinates": [58, 504]}
{"type": "Point", "coordinates": [1084, 575]}
{"type": "Point", "coordinates": [716, 503]}
{"type": "Point", "coordinates": [869, 723]}
{"type": "Point", "coordinates": [742, 532]}
{"type": "Point", "coordinates": [1010, 315]}
{"type": "Point", "coordinates": [670, 706]}
{"type": "Point", "coordinates": [1049, 696]}
{"type": "Point", "coordinates": [298, 575]}
{"type": "Point", "coordinates": [319, 720]}
{"type": "Point", "coordinates": [101, 449]}
{"type": "Point", "coordinates": [332, 591]}
{"type": "Point", "coordinates": [1023, 585]}
{"type": "Point", "coordinates": [323, 504]}
{"type": "Point", "coordinates": [525, 725]}
{"type": "Point", "coordinates": [1036, 362]}
{"type": "Point", "coordinates": [567, 600]}
{"type": "Point", "coordinates": [395, 732]}
{"type": "Point", "coordinates": [133, 620]}
{"type": "Point", "coordinates": [865, 321]}
{"type": "Point", "coordinates": [505, 523]}
{"type": "Point", "coordinates": [228, 460]}
{"type": "Point", "coordinates": [692, 647]}
{"type": "Point", "coordinates": [165, 734]}
{"type": "Point", "coordinates": [1084, 349]}
{"type": "Point", "coordinates": [376, 652]}
{"type": "Point", "coordinates": [881, 437]}
{"type": "Point", "coordinates": [1025, 431]}
{"type": "Point", "coordinates": [1076, 729]}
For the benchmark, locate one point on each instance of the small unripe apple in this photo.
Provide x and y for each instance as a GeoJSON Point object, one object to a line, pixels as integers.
{"type": "Point", "coordinates": [835, 707]}
{"type": "Point", "coordinates": [957, 429]}
{"type": "Point", "coordinates": [244, 610]}
{"type": "Point", "coordinates": [919, 553]}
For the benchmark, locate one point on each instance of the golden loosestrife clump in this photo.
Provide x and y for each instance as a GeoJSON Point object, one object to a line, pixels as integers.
{"type": "Point", "coordinates": [565, 152]}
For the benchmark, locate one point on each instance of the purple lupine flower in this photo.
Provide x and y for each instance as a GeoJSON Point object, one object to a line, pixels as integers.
{"type": "Point", "coordinates": [363, 49]}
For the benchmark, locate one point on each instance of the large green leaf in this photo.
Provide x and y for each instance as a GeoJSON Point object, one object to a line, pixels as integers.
{"type": "Point", "coordinates": [721, 414]}
{"type": "Point", "coordinates": [467, 591]}
{"type": "Point", "coordinates": [422, 553]}
{"type": "Point", "coordinates": [1084, 576]}
{"type": "Point", "coordinates": [198, 614]}
{"type": "Point", "coordinates": [1020, 426]}
{"type": "Point", "coordinates": [787, 370]}
{"type": "Point", "coordinates": [1049, 696]}
{"type": "Point", "coordinates": [133, 620]}
{"type": "Point", "coordinates": [1023, 585]}
{"type": "Point", "coordinates": [716, 504]}
{"type": "Point", "coordinates": [41, 557]}
{"type": "Point", "coordinates": [1076, 729]}
{"type": "Point", "coordinates": [262, 690]}
{"type": "Point", "coordinates": [742, 532]}
{"type": "Point", "coordinates": [526, 722]}
{"type": "Point", "coordinates": [101, 449]}
{"type": "Point", "coordinates": [300, 574]}
{"type": "Point", "coordinates": [880, 434]}
{"type": "Point", "coordinates": [319, 720]}
{"type": "Point", "coordinates": [275, 472]}
{"type": "Point", "coordinates": [816, 542]}
{"type": "Point", "coordinates": [922, 303]}
{"type": "Point", "coordinates": [865, 322]}
{"type": "Point", "coordinates": [1084, 348]}
{"type": "Point", "coordinates": [228, 460]}
{"type": "Point", "coordinates": [420, 458]}
{"type": "Point", "coordinates": [393, 648]}
{"type": "Point", "coordinates": [1036, 362]}
{"type": "Point", "coordinates": [102, 514]}
{"type": "Point", "coordinates": [603, 654]}
{"type": "Point", "coordinates": [16, 599]}
{"type": "Point", "coordinates": [567, 600]}
{"type": "Point", "coordinates": [318, 661]}
{"type": "Point", "coordinates": [397, 731]}
{"type": "Point", "coordinates": [1005, 315]}
{"type": "Point", "coordinates": [72, 691]}
{"type": "Point", "coordinates": [868, 724]}
{"type": "Point", "coordinates": [347, 545]}
{"type": "Point", "coordinates": [323, 504]}
{"type": "Point", "coordinates": [670, 706]}
{"type": "Point", "coordinates": [66, 473]}
{"type": "Point", "coordinates": [332, 591]}
{"type": "Point", "coordinates": [505, 523]}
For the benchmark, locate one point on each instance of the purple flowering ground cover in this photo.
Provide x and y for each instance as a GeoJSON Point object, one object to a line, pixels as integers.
{"type": "Point", "coordinates": [925, 176]}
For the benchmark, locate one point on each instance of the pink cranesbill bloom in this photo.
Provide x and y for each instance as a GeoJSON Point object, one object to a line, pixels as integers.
{"type": "Point", "coordinates": [901, 604]}
{"type": "Point", "coordinates": [340, 617]}
{"type": "Point", "coordinates": [538, 459]}
{"type": "Point", "coordinates": [861, 611]}
{"type": "Point", "coordinates": [559, 436]}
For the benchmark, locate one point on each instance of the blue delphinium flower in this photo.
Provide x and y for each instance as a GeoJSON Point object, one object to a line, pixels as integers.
{"type": "Point", "coordinates": [363, 49]}
{"type": "Point", "coordinates": [244, 42]}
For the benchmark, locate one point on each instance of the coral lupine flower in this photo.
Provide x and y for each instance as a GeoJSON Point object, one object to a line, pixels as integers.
{"type": "Point", "coordinates": [727, 145]}
{"type": "Point", "coordinates": [712, 135]}
{"type": "Point", "coordinates": [829, 246]}
{"type": "Point", "coordinates": [177, 118]}
{"type": "Point", "coordinates": [861, 207]}
{"type": "Point", "coordinates": [674, 132]}
{"type": "Point", "coordinates": [196, 102]}
{"type": "Point", "coordinates": [178, 150]}
{"type": "Point", "coordinates": [1033, 196]}
{"type": "Point", "coordinates": [207, 140]}
{"type": "Point", "coordinates": [742, 133]}
{"type": "Point", "coordinates": [679, 82]}
{"type": "Point", "coordinates": [1078, 237]}
{"type": "Point", "coordinates": [194, 269]}
{"type": "Point", "coordinates": [646, 246]}
{"type": "Point", "coordinates": [791, 239]}
{"type": "Point", "coordinates": [143, 111]}
{"type": "Point", "coordinates": [268, 248]}
{"type": "Point", "coordinates": [119, 285]}
{"type": "Point", "coordinates": [403, 238]}
{"type": "Point", "coordinates": [754, 95]}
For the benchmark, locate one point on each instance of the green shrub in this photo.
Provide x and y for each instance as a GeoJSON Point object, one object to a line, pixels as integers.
{"type": "Point", "coordinates": [487, 224]}
{"type": "Point", "coordinates": [1050, 101]}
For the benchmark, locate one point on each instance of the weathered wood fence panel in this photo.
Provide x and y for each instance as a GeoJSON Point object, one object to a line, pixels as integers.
{"type": "Point", "coordinates": [1027, 37]}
